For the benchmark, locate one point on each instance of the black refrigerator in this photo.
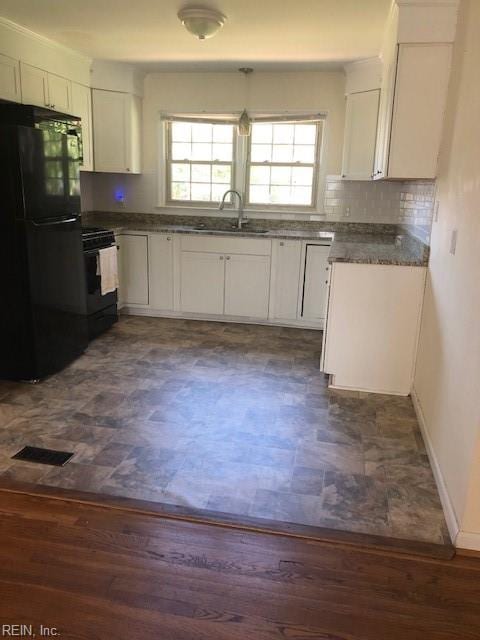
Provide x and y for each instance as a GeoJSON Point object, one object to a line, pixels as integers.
{"type": "Point", "coordinates": [43, 313]}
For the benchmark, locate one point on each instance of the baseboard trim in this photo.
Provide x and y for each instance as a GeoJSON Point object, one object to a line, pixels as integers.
{"type": "Point", "coordinates": [448, 510]}
{"type": "Point", "coordinates": [468, 540]}
{"type": "Point", "coordinates": [156, 313]}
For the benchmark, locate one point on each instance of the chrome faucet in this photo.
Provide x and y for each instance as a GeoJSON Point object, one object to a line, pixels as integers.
{"type": "Point", "coordinates": [241, 220]}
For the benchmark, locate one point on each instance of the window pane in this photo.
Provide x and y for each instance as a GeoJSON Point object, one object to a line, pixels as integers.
{"type": "Point", "coordinates": [180, 172]}
{"type": "Point", "coordinates": [222, 152]}
{"type": "Point", "coordinates": [259, 195]}
{"type": "Point", "coordinates": [302, 176]}
{"type": "Point", "coordinates": [283, 133]}
{"type": "Point", "coordinates": [181, 131]}
{"type": "Point", "coordinates": [201, 173]}
{"type": "Point", "coordinates": [200, 191]}
{"type": "Point", "coordinates": [305, 133]}
{"type": "Point", "coordinates": [221, 173]}
{"type": "Point", "coordinates": [222, 133]}
{"type": "Point", "coordinates": [301, 195]}
{"type": "Point", "coordinates": [304, 153]}
{"type": "Point", "coordinates": [262, 133]}
{"type": "Point", "coordinates": [202, 132]}
{"type": "Point", "coordinates": [280, 195]}
{"type": "Point", "coordinates": [181, 151]}
{"type": "Point", "coordinates": [180, 191]}
{"type": "Point", "coordinates": [201, 151]}
{"type": "Point", "coordinates": [218, 190]}
{"type": "Point", "coordinates": [259, 175]}
{"type": "Point", "coordinates": [261, 153]}
{"type": "Point", "coordinates": [282, 153]}
{"type": "Point", "coordinates": [281, 175]}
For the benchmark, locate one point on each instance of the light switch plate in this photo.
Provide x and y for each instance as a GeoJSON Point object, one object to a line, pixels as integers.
{"type": "Point", "coordinates": [453, 241]}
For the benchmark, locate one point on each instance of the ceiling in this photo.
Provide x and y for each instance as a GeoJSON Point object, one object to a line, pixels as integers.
{"type": "Point", "coordinates": [264, 34]}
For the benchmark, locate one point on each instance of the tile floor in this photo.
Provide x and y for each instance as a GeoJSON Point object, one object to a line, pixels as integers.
{"type": "Point", "coordinates": [226, 417]}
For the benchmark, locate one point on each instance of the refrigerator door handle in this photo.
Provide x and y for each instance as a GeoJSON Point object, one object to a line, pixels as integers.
{"type": "Point", "coordinates": [48, 223]}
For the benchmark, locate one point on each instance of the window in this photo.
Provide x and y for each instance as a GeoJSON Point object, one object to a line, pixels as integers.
{"type": "Point", "coordinates": [276, 166]}
{"type": "Point", "coordinates": [199, 160]}
{"type": "Point", "coordinates": [282, 163]}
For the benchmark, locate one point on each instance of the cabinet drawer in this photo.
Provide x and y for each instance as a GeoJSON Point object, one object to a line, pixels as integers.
{"type": "Point", "coordinates": [245, 246]}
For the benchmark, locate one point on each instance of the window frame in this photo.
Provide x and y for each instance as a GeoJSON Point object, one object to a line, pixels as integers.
{"type": "Point", "coordinates": [316, 166]}
{"type": "Point", "coordinates": [168, 161]}
{"type": "Point", "coordinates": [240, 173]}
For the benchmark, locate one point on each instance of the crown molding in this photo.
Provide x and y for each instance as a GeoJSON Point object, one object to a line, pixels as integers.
{"type": "Point", "coordinates": [13, 26]}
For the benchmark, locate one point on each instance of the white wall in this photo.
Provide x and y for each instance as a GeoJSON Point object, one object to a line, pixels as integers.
{"type": "Point", "coordinates": [275, 92]}
{"type": "Point", "coordinates": [447, 380]}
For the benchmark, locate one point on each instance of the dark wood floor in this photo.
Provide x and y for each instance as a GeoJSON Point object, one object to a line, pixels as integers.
{"type": "Point", "coordinates": [99, 574]}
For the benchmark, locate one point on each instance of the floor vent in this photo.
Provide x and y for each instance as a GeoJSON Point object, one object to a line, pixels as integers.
{"type": "Point", "coordinates": [43, 456]}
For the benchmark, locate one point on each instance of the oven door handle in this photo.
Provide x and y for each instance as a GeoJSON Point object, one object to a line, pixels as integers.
{"type": "Point", "coordinates": [96, 250]}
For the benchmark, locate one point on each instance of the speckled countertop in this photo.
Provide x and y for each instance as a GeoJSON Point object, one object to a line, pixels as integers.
{"type": "Point", "coordinates": [350, 242]}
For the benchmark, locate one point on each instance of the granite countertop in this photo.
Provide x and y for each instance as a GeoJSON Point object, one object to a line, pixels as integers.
{"type": "Point", "coordinates": [349, 242]}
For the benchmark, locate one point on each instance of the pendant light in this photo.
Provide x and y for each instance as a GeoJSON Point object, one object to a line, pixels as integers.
{"type": "Point", "coordinates": [244, 126]}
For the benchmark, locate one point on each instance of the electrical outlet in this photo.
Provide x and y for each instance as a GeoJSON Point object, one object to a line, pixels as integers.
{"type": "Point", "coordinates": [119, 197]}
{"type": "Point", "coordinates": [453, 241]}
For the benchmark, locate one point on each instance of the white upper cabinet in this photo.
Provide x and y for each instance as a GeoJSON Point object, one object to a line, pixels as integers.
{"type": "Point", "coordinates": [45, 89]}
{"type": "Point", "coordinates": [421, 87]}
{"type": "Point", "coordinates": [360, 135]}
{"type": "Point", "coordinates": [59, 93]}
{"type": "Point", "coordinates": [116, 131]}
{"type": "Point", "coordinates": [82, 107]}
{"type": "Point", "coordinates": [9, 79]}
{"type": "Point", "coordinates": [34, 85]}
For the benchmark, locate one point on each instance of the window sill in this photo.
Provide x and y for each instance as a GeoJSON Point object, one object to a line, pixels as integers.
{"type": "Point", "coordinates": [229, 211]}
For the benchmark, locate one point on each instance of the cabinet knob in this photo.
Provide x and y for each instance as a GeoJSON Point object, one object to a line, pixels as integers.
{"type": "Point", "coordinates": [169, 239]}
{"type": "Point", "coordinates": [344, 175]}
{"type": "Point", "coordinates": [227, 257]}
{"type": "Point", "coordinates": [326, 268]}
{"type": "Point", "coordinates": [326, 281]}
{"type": "Point", "coordinates": [282, 244]}
{"type": "Point", "coordinates": [128, 168]}
{"type": "Point", "coordinates": [221, 257]}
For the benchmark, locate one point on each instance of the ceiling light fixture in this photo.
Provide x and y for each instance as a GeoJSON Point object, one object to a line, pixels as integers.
{"type": "Point", "coordinates": [203, 23]}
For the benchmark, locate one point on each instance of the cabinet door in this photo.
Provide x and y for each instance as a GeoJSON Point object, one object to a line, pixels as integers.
{"type": "Point", "coordinates": [160, 257]}
{"type": "Point", "coordinates": [202, 281]}
{"type": "Point", "coordinates": [287, 278]}
{"type": "Point", "coordinates": [109, 131]}
{"type": "Point", "coordinates": [315, 283]}
{"type": "Point", "coordinates": [133, 274]}
{"type": "Point", "coordinates": [9, 79]}
{"type": "Point", "coordinates": [247, 285]}
{"type": "Point", "coordinates": [360, 135]}
{"type": "Point", "coordinates": [59, 93]}
{"type": "Point", "coordinates": [82, 107]}
{"type": "Point", "coordinates": [34, 85]}
{"type": "Point", "coordinates": [421, 88]}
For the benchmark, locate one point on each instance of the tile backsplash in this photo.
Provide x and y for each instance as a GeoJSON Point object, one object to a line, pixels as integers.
{"type": "Point", "coordinates": [408, 202]}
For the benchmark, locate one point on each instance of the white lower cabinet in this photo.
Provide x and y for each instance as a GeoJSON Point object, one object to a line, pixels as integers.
{"type": "Point", "coordinates": [160, 269]}
{"type": "Point", "coordinates": [287, 256]}
{"type": "Point", "coordinates": [372, 326]}
{"type": "Point", "coordinates": [202, 282]}
{"type": "Point", "coordinates": [315, 282]}
{"type": "Point", "coordinates": [247, 285]}
{"type": "Point", "coordinates": [133, 269]}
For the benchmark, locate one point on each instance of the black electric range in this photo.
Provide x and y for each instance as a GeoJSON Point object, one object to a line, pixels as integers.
{"type": "Point", "coordinates": [102, 309]}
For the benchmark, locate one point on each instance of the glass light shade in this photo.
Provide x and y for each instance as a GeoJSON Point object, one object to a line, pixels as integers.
{"type": "Point", "coordinates": [244, 127]}
{"type": "Point", "coordinates": [200, 22]}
